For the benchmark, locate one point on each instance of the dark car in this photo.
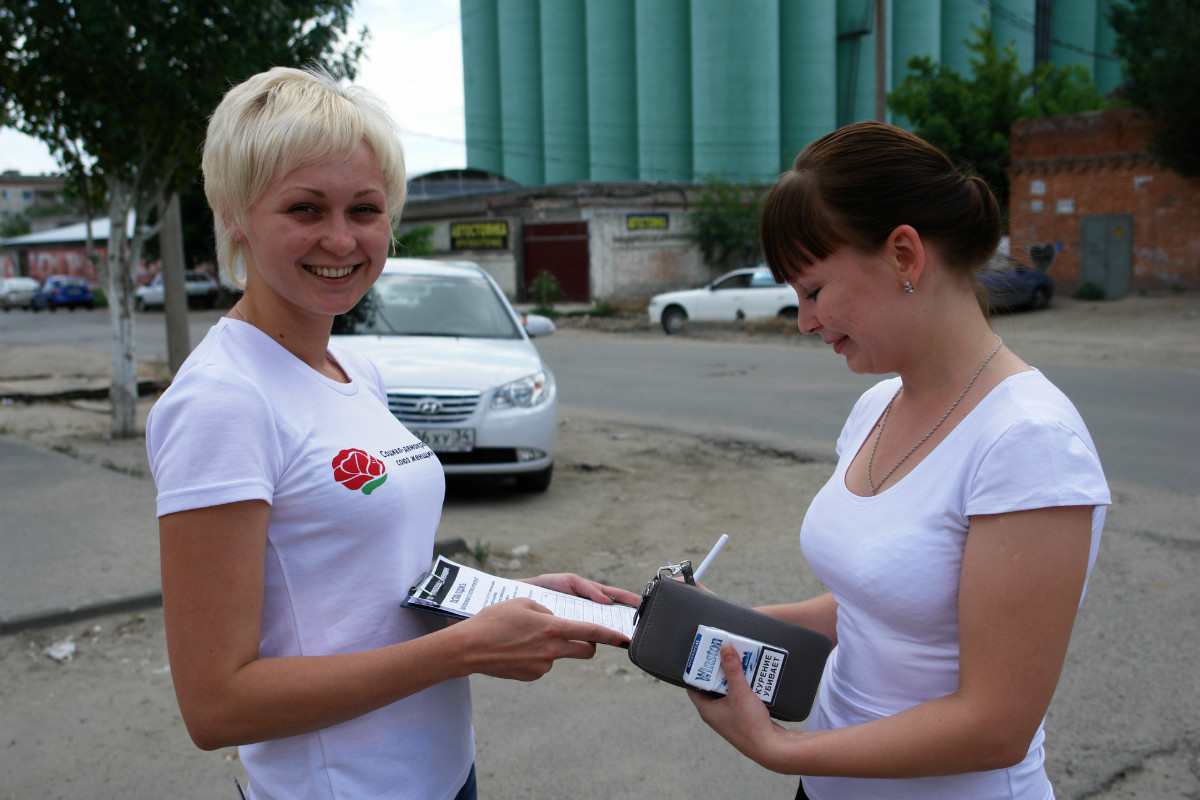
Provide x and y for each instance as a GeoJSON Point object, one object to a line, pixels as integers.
{"type": "Point", "coordinates": [59, 291]}
{"type": "Point", "coordinates": [1012, 285]}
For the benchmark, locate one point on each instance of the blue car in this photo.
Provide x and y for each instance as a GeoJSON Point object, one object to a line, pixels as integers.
{"type": "Point", "coordinates": [1012, 285]}
{"type": "Point", "coordinates": [59, 291]}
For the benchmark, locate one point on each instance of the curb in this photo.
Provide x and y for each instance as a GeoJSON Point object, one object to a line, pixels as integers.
{"type": "Point", "coordinates": [144, 387]}
{"type": "Point", "coordinates": [138, 601]}
{"type": "Point", "coordinates": [62, 615]}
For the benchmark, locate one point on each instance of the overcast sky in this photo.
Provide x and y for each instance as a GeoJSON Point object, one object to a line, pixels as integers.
{"type": "Point", "coordinates": [413, 61]}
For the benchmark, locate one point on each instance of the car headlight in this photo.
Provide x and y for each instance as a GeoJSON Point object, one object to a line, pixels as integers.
{"type": "Point", "coordinates": [528, 392]}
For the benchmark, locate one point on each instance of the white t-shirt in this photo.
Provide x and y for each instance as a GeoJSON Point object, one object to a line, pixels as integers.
{"type": "Point", "coordinates": [893, 562]}
{"type": "Point", "coordinates": [355, 501]}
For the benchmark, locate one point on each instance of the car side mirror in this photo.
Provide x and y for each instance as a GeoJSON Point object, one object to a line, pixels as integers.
{"type": "Point", "coordinates": [536, 325]}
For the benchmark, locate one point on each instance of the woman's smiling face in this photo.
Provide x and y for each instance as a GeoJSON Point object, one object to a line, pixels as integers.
{"type": "Point", "coordinates": [317, 238]}
{"type": "Point", "coordinates": [843, 300]}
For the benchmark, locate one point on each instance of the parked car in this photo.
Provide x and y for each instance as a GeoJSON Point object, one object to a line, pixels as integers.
{"type": "Point", "coordinates": [202, 291]}
{"type": "Point", "coordinates": [17, 293]}
{"type": "Point", "coordinates": [459, 367]}
{"type": "Point", "coordinates": [1012, 285]}
{"type": "Point", "coordinates": [742, 294]}
{"type": "Point", "coordinates": [59, 291]}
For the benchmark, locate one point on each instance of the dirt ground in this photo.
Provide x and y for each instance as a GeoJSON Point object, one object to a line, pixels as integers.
{"type": "Point", "coordinates": [625, 501]}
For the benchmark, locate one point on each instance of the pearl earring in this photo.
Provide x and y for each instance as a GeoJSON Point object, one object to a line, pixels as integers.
{"type": "Point", "coordinates": [908, 288]}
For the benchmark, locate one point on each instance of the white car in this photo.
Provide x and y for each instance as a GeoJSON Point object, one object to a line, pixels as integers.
{"type": "Point", "coordinates": [17, 292]}
{"type": "Point", "coordinates": [202, 291]}
{"type": "Point", "coordinates": [742, 294]}
{"type": "Point", "coordinates": [459, 367]}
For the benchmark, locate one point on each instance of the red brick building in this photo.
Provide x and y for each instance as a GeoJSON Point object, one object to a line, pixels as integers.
{"type": "Point", "coordinates": [1085, 192]}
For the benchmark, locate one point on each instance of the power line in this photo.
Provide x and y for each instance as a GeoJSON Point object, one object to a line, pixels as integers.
{"type": "Point", "coordinates": [1030, 27]}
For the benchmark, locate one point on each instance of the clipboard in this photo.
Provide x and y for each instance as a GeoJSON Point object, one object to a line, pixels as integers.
{"type": "Point", "coordinates": [457, 591]}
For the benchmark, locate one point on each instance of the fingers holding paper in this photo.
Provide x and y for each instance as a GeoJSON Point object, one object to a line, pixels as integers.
{"type": "Point", "coordinates": [740, 717]}
{"type": "Point", "coordinates": [570, 583]}
{"type": "Point", "coordinates": [520, 640]}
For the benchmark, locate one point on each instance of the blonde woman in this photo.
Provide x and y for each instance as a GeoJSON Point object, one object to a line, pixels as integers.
{"type": "Point", "coordinates": [288, 534]}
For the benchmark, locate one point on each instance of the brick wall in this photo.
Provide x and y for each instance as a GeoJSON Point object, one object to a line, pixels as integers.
{"type": "Point", "coordinates": [1064, 168]}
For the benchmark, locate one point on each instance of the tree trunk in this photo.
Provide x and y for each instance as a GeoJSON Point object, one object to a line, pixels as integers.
{"type": "Point", "coordinates": [121, 259]}
{"type": "Point", "coordinates": [175, 301]}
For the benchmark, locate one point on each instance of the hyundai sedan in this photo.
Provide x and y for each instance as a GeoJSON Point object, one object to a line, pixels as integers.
{"type": "Point", "coordinates": [459, 367]}
{"type": "Point", "coordinates": [739, 295]}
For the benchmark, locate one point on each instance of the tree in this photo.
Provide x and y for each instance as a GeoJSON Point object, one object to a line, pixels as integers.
{"type": "Point", "coordinates": [15, 225]}
{"type": "Point", "coordinates": [725, 223]}
{"type": "Point", "coordinates": [1159, 43]}
{"type": "Point", "coordinates": [415, 242]}
{"type": "Point", "coordinates": [971, 119]}
{"type": "Point", "coordinates": [122, 90]}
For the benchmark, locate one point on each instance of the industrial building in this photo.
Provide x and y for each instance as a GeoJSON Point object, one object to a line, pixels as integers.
{"type": "Point", "coordinates": [558, 91]}
{"type": "Point", "coordinates": [605, 116]}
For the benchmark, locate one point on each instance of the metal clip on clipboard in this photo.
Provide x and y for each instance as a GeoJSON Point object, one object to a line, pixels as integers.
{"type": "Point", "coordinates": [427, 586]}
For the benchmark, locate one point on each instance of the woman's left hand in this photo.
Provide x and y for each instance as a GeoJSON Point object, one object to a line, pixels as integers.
{"type": "Point", "coordinates": [741, 717]}
{"type": "Point", "coordinates": [570, 583]}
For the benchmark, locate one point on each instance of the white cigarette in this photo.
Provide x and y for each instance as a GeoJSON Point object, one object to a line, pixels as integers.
{"type": "Point", "coordinates": [700, 570]}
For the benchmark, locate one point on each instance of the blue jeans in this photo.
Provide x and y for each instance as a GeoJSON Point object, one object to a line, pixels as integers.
{"type": "Point", "coordinates": [467, 792]}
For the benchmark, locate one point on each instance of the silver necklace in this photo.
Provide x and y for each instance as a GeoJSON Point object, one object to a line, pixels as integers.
{"type": "Point", "coordinates": [875, 487]}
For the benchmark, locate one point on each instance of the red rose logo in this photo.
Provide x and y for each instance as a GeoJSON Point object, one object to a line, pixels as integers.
{"type": "Point", "coordinates": [356, 470]}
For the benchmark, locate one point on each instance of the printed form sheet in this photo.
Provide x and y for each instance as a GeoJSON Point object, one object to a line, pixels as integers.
{"type": "Point", "coordinates": [460, 591]}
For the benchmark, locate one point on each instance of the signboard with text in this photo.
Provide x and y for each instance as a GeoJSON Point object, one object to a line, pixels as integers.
{"type": "Point", "coordinates": [646, 222]}
{"type": "Point", "coordinates": [489, 234]}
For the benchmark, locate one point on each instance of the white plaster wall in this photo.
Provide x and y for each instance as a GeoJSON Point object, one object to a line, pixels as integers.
{"type": "Point", "coordinates": [633, 265]}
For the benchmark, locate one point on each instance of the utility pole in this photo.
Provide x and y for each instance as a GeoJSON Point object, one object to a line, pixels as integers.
{"type": "Point", "coordinates": [881, 60]}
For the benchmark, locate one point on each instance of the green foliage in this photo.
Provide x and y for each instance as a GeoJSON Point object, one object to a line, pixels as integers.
{"type": "Point", "coordinates": [971, 118]}
{"type": "Point", "coordinates": [545, 290]}
{"type": "Point", "coordinates": [415, 243]}
{"type": "Point", "coordinates": [1090, 291]}
{"type": "Point", "coordinates": [139, 77]}
{"type": "Point", "coordinates": [482, 551]}
{"type": "Point", "coordinates": [120, 91]}
{"type": "Point", "coordinates": [1159, 44]}
{"type": "Point", "coordinates": [725, 223]}
{"type": "Point", "coordinates": [15, 225]}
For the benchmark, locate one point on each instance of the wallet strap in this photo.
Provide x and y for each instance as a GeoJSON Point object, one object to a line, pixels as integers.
{"type": "Point", "coordinates": [667, 572]}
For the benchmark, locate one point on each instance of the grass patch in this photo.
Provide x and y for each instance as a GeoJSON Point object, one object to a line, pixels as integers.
{"type": "Point", "coordinates": [133, 472]}
{"type": "Point", "coordinates": [65, 449]}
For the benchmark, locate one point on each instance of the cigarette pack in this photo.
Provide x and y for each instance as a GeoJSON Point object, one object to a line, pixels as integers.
{"type": "Point", "coordinates": [762, 663]}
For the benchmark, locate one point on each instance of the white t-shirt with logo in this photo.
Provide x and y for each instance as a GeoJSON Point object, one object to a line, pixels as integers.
{"type": "Point", "coordinates": [893, 562]}
{"type": "Point", "coordinates": [355, 502]}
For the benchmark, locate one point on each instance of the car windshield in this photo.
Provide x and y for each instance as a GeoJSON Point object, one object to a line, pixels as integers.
{"type": "Point", "coordinates": [427, 305]}
{"type": "Point", "coordinates": [762, 279]}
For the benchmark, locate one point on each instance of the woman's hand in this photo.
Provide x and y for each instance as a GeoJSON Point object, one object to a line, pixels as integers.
{"type": "Point", "coordinates": [740, 717]}
{"type": "Point", "coordinates": [520, 640]}
{"type": "Point", "coordinates": [570, 583]}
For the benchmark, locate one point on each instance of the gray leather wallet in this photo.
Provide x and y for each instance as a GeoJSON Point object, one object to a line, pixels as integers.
{"type": "Point", "coordinates": [670, 612]}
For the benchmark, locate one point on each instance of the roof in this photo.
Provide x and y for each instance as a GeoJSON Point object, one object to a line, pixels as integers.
{"type": "Point", "coordinates": [69, 234]}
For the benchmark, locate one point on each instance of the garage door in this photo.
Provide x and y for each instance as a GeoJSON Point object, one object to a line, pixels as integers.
{"type": "Point", "coordinates": [560, 248]}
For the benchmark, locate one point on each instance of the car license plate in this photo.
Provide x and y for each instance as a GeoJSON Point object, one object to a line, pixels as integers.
{"type": "Point", "coordinates": [447, 440]}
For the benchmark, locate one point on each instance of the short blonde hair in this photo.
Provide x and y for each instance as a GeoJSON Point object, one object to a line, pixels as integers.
{"type": "Point", "coordinates": [281, 120]}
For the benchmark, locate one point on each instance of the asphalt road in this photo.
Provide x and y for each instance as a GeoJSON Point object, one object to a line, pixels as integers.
{"type": "Point", "coordinates": [1124, 722]}
{"type": "Point", "coordinates": [779, 395]}
{"type": "Point", "coordinates": [795, 398]}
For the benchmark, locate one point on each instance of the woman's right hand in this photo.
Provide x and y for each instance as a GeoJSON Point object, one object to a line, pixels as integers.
{"type": "Point", "coordinates": [520, 640]}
